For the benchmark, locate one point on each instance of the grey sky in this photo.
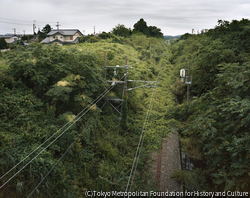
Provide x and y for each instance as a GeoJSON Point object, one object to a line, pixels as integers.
{"type": "Point", "coordinates": [173, 17]}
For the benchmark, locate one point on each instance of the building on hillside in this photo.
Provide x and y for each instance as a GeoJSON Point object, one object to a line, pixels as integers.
{"type": "Point", "coordinates": [62, 37]}
{"type": "Point", "coordinates": [10, 38]}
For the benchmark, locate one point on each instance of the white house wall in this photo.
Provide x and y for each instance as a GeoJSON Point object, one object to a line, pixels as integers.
{"type": "Point", "coordinates": [63, 38]}
{"type": "Point", "coordinates": [11, 40]}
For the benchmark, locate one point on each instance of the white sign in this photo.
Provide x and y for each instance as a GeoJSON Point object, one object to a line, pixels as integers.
{"type": "Point", "coordinates": [182, 73]}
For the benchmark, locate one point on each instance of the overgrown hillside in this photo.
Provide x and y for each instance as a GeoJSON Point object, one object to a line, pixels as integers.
{"type": "Point", "coordinates": [216, 128]}
{"type": "Point", "coordinates": [46, 87]}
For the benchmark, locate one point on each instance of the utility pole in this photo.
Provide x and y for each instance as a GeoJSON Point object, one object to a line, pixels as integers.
{"type": "Point", "coordinates": [24, 32]}
{"type": "Point", "coordinates": [94, 30]}
{"type": "Point", "coordinates": [57, 25]}
{"type": "Point", "coordinates": [14, 31]}
{"type": "Point", "coordinates": [34, 27]}
{"type": "Point", "coordinates": [104, 73]}
{"type": "Point", "coordinates": [125, 77]}
{"type": "Point", "coordinates": [188, 80]}
{"type": "Point", "coordinates": [154, 58]}
{"type": "Point", "coordinates": [188, 85]}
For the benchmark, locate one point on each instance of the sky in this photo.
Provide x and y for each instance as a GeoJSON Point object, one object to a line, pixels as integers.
{"type": "Point", "coordinates": [173, 17]}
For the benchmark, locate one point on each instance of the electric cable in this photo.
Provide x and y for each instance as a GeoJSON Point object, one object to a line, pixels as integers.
{"type": "Point", "coordinates": [139, 147]}
{"type": "Point", "coordinates": [51, 136]}
{"type": "Point", "coordinates": [150, 108]}
{"type": "Point", "coordinates": [136, 156]}
{"type": "Point", "coordinates": [97, 100]}
{"type": "Point", "coordinates": [72, 144]}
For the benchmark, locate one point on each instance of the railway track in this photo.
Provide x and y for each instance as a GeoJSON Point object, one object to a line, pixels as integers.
{"type": "Point", "coordinates": [167, 161]}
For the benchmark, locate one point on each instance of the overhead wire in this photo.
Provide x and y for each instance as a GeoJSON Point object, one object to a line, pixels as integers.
{"type": "Point", "coordinates": [89, 107]}
{"type": "Point", "coordinates": [141, 140]}
{"type": "Point", "coordinates": [48, 139]}
{"type": "Point", "coordinates": [72, 144]}
{"type": "Point", "coordinates": [150, 108]}
{"type": "Point", "coordinates": [139, 145]}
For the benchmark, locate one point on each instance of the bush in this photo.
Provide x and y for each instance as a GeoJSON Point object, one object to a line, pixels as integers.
{"type": "Point", "coordinates": [3, 44]}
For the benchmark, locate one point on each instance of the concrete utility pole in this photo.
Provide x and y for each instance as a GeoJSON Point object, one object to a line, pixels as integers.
{"type": "Point", "coordinates": [94, 30]}
{"type": "Point", "coordinates": [14, 31]}
{"type": "Point", "coordinates": [57, 25]}
{"type": "Point", "coordinates": [34, 27]}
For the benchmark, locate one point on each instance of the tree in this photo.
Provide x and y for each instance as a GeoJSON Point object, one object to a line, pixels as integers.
{"type": "Point", "coordinates": [105, 35]}
{"type": "Point", "coordinates": [24, 37]}
{"type": "Point", "coordinates": [121, 30]}
{"type": "Point", "coordinates": [141, 26]}
{"type": "Point", "coordinates": [3, 44]}
{"type": "Point", "coordinates": [155, 32]}
{"type": "Point", "coordinates": [218, 118]}
{"type": "Point", "coordinates": [46, 29]}
{"type": "Point", "coordinates": [42, 34]}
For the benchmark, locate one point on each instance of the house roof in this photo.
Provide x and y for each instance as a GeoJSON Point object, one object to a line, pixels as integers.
{"type": "Point", "coordinates": [7, 36]}
{"type": "Point", "coordinates": [47, 41]}
{"type": "Point", "coordinates": [64, 32]}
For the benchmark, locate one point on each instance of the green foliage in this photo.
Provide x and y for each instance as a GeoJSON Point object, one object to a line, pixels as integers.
{"type": "Point", "coordinates": [121, 30]}
{"type": "Point", "coordinates": [181, 176]}
{"type": "Point", "coordinates": [141, 26]}
{"type": "Point", "coordinates": [105, 35]}
{"type": "Point", "coordinates": [3, 44]}
{"type": "Point", "coordinates": [155, 32]}
{"type": "Point", "coordinates": [217, 126]}
{"type": "Point", "coordinates": [89, 38]}
{"type": "Point", "coordinates": [45, 87]}
{"type": "Point", "coordinates": [179, 90]}
{"type": "Point", "coordinates": [46, 29]}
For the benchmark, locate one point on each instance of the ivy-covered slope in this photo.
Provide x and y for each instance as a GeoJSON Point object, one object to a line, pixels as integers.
{"type": "Point", "coordinates": [44, 87]}
{"type": "Point", "coordinates": [216, 128]}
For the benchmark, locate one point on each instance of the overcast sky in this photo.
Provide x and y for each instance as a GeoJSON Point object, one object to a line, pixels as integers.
{"type": "Point", "coordinates": [173, 17]}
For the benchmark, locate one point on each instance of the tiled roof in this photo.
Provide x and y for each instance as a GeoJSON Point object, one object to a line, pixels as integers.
{"type": "Point", "coordinates": [46, 40]}
{"type": "Point", "coordinates": [64, 32]}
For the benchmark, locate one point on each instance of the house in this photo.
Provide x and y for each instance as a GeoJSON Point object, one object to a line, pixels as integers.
{"type": "Point", "coordinates": [10, 38]}
{"type": "Point", "coordinates": [62, 37]}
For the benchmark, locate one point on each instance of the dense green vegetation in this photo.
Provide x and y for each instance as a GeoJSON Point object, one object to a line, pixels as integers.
{"type": "Point", "coordinates": [216, 128]}
{"type": "Point", "coordinates": [120, 32]}
{"type": "Point", "coordinates": [44, 87]}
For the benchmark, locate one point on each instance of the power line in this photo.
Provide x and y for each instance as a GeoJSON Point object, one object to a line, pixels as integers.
{"type": "Point", "coordinates": [141, 140]}
{"type": "Point", "coordinates": [72, 144]}
{"type": "Point", "coordinates": [89, 107]}
{"type": "Point", "coordinates": [52, 135]}
{"type": "Point", "coordinates": [49, 144]}
{"type": "Point", "coordinates": [16, 23]}
{"type": "Point", "coordinates": [139, 145]}
{"type": "Point", "coordinates": [145, 124]}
